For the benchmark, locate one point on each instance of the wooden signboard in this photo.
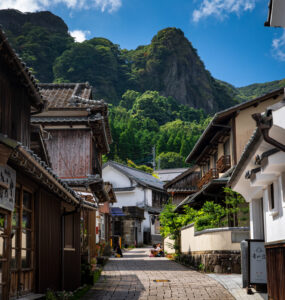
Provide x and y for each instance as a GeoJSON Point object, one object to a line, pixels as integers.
{"type": "Point", "coordinates": [7, 187]}
{"type": "Point", "coordinates": [257, 262]}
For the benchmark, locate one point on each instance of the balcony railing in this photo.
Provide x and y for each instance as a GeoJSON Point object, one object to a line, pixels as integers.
{"type": "Point", "coordinates": [223, 163]}
{"type": "Point", "coordinates": [211, 174]}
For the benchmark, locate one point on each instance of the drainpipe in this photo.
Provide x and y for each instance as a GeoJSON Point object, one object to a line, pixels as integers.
{"type": "Point", "coordinates": [264, 128]}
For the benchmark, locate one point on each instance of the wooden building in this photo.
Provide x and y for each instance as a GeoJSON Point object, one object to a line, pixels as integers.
{"type": "Point", "coordinates": [220, 147]}
{"type": "Point", "coordinates": [77, 133]}
{"type": "Point", "coordinates": [39, 214]}
{"type": "Point", "coordinates": [183, 185]}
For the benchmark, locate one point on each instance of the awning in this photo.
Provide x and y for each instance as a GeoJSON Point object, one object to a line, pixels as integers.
{"type": "Point", "coordinates": [116, 212]}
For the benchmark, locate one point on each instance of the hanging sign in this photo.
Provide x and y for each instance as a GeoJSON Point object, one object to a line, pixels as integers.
{"type": "Point", "coordinates": [7, 187]}
{"type": "Point", "coordinates": [257, 262]}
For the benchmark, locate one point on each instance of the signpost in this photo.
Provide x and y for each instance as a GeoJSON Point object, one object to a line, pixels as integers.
{"type": "Point", "coordinates": [257, 262]}
{"type": "Point", "coordinates": [7, 187]}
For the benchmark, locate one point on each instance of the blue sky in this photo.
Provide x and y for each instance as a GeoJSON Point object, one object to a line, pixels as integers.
{"type": "Point", "coordinates": [229, 34]}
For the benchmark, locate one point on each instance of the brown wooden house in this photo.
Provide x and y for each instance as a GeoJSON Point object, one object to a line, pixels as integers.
{"type": "Point", "coordinates": [39, 213]}
{"type": "Point", "coordinates": [220, 147]}
{"type": "Point", "coordinates": [183, 185]}
{"type": "Point", "coordinates": [77, 133]}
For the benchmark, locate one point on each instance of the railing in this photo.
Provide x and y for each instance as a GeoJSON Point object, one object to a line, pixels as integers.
{"type": "Point", "coordinates": [223, 163]}
{"type": "Point", "coordinates": [211, 174]}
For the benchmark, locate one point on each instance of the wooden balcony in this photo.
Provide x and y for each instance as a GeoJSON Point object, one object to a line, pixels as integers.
{"type": "Point", "coordinates": [211, 174]}
{"type": "Point", "coordinates": [223, 163]}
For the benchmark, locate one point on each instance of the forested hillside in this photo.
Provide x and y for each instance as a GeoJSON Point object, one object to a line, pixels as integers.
{"type": "Point", "coordinates": [161, 93]}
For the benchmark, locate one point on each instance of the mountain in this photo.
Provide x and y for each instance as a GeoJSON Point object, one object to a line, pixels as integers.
{"type": "Point", "coordinates": [169, 64]}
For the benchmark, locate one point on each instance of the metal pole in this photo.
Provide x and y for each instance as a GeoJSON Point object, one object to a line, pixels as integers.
{"type": "Point", "coordinates": [153, 156]}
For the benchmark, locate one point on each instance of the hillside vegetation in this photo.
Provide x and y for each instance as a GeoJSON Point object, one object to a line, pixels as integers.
{"type": "Point", "coordinates": [161, 93]}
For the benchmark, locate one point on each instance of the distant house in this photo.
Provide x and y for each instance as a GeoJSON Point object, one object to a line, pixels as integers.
{"type": "Point", "coordinates": [183, 185]}
{"type": "Point", "coordinates": [167, 175]}
{"type": "Point", "coordinates": [260, 178]}
{"type": "Point", "coordinates": [77, 133]}
{"type": "Point", "coordinates": [136, 192]}
{"type": "Point", "coordinates": [220, 147]}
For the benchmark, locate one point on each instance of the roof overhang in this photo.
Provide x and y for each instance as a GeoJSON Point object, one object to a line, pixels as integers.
{"type": "Point", "coordinates": [220, 120]}
{"type": "Point", "coordinates": [20, 69]}
{"type": "Point", "coordinates": [276, 9]}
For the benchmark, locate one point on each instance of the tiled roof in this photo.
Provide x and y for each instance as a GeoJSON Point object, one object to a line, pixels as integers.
{"type": "Point", "coordinates": [220, 117]}
{"type": "Point", "coordinates": [142, 178]}
{"type": "Point", "coordinates": [21, 70]}
{"type": "Point", "coordinates": [68, 95]}
{"type": "Point", "coordinates": [51, 119]}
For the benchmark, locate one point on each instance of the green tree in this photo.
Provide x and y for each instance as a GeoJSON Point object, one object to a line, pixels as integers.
{"type": "Point", "coordinates": [170, 160]}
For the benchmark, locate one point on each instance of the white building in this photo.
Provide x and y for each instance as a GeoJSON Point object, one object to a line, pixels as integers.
{"type": "Point", "coordinates": [260, 178]}
{"type": "Point", "coordinates": [134, 188]}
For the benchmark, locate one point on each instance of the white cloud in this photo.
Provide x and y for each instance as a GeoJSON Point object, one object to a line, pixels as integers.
{"type": "Point", "coordinates": [222, 8]}
{"type": "Point", "coordinates": [35, 5]}
{"type": "Point", "coordinates": [79, 35]}
{"type": "Point", "coordinates": [278, 47]}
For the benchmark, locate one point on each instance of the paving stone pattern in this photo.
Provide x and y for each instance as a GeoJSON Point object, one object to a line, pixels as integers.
{"type": "Point", "coordinates": [233, 283]}
{"type": "Point", "coordinates": [132, 277]}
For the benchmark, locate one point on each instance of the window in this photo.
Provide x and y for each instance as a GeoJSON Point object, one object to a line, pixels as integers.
{"type": "Point", "coordinates": [272, 200]}
{"type": "Point", "coordinates": [69, 231]}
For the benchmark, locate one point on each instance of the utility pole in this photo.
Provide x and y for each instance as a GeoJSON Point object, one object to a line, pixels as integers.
{"type": "Point", "coordinates": [158, 167]}
{"type": "Point", "coordinates": [153, 157]}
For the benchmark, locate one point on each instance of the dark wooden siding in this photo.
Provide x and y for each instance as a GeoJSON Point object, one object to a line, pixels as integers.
{"type": "Point", "coordinates": [187, 182]}
{"type": "Point", "coordinates": [14, 106]}
{"type": "Point", "coordinates": [48, 254]}
{"type": "Point", "coordinates": [70, 152]}
{"type": "Point", "coordinates": [275, 260]}
{"type": "Point", "coordinates": [72, 260]}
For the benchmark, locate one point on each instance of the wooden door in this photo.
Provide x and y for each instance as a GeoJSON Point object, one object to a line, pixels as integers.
{"type": "Point", "coordinates": [22, 250]}
{"type": "Point", "coordinates": [5, 233]}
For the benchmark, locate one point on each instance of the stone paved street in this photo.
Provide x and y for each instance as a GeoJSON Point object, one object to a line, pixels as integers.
{"type": "Point", "coordinates": [132, 277]}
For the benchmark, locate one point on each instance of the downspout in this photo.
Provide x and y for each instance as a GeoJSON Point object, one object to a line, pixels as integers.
{"type": "Point", "coordinates": [264, 128]}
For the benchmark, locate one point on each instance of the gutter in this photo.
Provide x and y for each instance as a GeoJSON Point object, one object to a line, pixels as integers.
{"type": "Point", "coordinates": [264, 125]}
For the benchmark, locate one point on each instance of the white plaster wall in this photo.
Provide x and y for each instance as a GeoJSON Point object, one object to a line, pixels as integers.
{"type": "Point", "coordinates": [275, 218]}
{"type": "Point", "coordinates": [211, 241]}
{"type": "Point", "coordinates": [146, 222]}
{"type": "Point", "coordinates": [117, 178]}
{"type": "Point", "coordinates": [130, 198]}
{"type": "Point", "coordinates": [148, 197]}
{"type": "Point", "coordinates": [256, 219]}
{"type": "Point", "coordinates": [168, 245]}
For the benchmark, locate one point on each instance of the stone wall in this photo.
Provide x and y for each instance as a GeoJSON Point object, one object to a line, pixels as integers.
{"type": "Point", "coordinates": [213, 250]}
{"type": "Point", "coordinates": [213, 261]}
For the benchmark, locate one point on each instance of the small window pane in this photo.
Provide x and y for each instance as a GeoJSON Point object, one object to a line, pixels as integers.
{"type": "Point", "coordinates": [26, 259]}
{"type": "Point", "coordinates": [27, 220]}
{"type": "Point", "coordinates": [2, 247]}
{"type": "Point", "coordinates": [27, 200]}
{"type": "Point", "coordinates": [68, 231]}
{"type": "Point", "coordinates": [3, 221]}
{"type": "Point", "coordinates": [26, 239]}
{"type": "Point", "coordinates": [17, 200]}
{"type": "Point", "coordinates": [15, 218]}
{"type": "Point", "coordinates": [13, 262]}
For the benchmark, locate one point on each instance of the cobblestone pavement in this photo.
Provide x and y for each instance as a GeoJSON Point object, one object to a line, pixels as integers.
{"type": "Point", "coordinates": [132, 277]}
{"type": "Point", "coordinates": [233, 283]}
